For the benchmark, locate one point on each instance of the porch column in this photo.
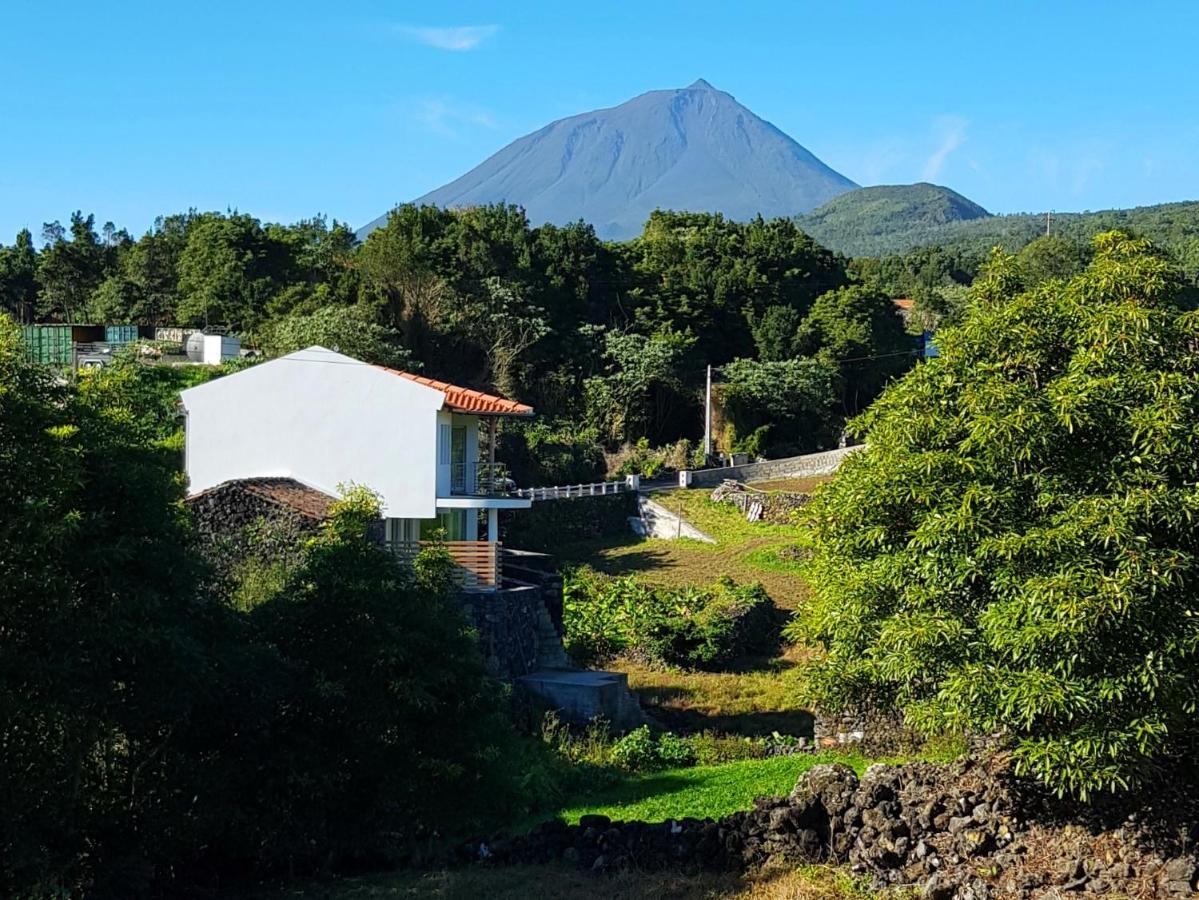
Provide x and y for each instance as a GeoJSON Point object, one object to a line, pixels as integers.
{"type": "Point", "coordinates": [493, 525]}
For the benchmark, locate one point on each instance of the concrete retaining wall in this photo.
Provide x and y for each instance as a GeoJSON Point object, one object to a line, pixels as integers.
{"type": "Point", "coordinates": [792, 467]}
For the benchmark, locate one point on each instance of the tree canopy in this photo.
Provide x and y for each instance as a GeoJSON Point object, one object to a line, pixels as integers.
{"type": "Point", "coordinates": [1016, 548]}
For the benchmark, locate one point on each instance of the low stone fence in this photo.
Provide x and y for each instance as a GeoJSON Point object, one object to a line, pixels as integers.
{"type": "Point", "coordinates": [806, 466]}
{"type": "Point", "coordinates": [968, 830]}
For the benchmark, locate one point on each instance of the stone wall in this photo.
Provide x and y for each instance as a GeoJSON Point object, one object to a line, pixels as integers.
{"type": "Point", "coordinates": [969, 830]}
{"type": "Point", "coordinates": [806, 466]}
{"type": "Point", "coordinates": [549, 524]}
{"type": "Point", "coordinates": [508, 623]}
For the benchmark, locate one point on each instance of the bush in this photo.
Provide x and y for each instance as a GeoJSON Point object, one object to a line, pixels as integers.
{"type": "Point", "coordinates": [1017, 548]}
{"type": "Point", "coordinates": [641, 751]}
{"type": "Point", "coordinates": [705, 628]}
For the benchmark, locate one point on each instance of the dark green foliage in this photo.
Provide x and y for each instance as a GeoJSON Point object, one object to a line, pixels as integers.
{"type": "Point", "coordinates": [550, 524]}
{"type": "Point", "coordinates": [385, 724]}
{"type": "Point", "coordinates": [551, 452]}
{"type": "Point", "coordinates": [1016, 548]}
{"type": "Point", "coordinates": [346, 329]}
{"type": "Point", "coordinates": [793, 399]}
{"type": "Point", "coordinates": [714, 278]}
{"type": "Point", "coordinates": [703, 628]}
{"type": "Point", "coordinates": [859, 332]}
{"type": "Point", "coordinates": [153, 737]}
{"type": "Point", "coordinates": [881, 221]}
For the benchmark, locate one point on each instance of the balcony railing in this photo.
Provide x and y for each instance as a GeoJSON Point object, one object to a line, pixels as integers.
{"type": "Point", "coordinates": [480, 480]}
{"type": "Point", "coordinates": [479, 564]}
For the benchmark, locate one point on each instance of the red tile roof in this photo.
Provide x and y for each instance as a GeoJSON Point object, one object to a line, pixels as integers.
{"type": "Point", "coordinates": [467, 400]}
{"type": "Point", "coordinates": [903, 303]}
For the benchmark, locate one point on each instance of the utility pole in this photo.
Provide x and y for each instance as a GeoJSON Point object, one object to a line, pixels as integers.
{"type": "Point", "coordinates": [708, 416]}
{"type": "Point", "coordinates": [1048, 218]}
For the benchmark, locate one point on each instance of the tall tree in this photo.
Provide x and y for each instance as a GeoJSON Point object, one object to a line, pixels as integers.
{"type": "Point", "coordinates": [1016, 548]}
{"type": "Point", "coordinates": [70, 269]}
{"type": "Point", "coordinates": [18, 278]}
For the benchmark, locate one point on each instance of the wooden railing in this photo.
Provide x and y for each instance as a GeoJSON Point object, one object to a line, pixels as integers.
{"type": "Point", "coordinates": [480, 563]}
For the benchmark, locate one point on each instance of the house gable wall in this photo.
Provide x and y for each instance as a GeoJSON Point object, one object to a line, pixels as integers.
{"type": "Point", "coordinates": [324, 419]}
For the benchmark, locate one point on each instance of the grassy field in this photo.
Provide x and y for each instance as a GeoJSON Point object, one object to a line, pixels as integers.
{"type": "Point", "coordinates": [758, 699]}
{"type": "Point", "coordinates": [754, 702]}
{"type": "Point", "coordinates": [558, 882]}
{"type": "Point", "coordinates": [702, 792]}
{"type": "Point", "coordinates": [745, 551]}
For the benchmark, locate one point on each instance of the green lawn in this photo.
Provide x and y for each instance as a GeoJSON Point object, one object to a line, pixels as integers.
{"type": "Point", "coordinates": [703, 791]}
{"type": "Point", "coordinates": [745, 551]}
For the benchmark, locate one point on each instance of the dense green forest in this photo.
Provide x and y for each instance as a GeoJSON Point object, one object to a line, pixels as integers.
{"type": "Point", "coordinates": [608, 341]}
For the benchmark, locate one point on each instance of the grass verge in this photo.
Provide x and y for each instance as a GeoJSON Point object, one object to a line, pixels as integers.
{"type": "Point", "coordinates": [703, 792]}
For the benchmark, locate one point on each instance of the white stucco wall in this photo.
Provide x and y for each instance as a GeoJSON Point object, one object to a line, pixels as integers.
{"type": "Point", "coordinates": [324, 419]}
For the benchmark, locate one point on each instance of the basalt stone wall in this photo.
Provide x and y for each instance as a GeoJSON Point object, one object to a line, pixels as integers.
{"type": "Point", "coordinates": [223, 514]}
{"type": "Point", "coordinates": [549, 524]}
{"type": "Point", "coordinates": [967, 830]}
{"type": "Point", "coordinates": [508, 625]}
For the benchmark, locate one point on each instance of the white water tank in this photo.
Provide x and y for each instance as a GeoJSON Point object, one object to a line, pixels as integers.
{"type": "Point", "coordinates": [212, 349]}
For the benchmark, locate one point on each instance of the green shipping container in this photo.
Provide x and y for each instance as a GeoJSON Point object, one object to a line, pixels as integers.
{"type": "Point", "coordinates": [120, 334]}
{"type": "Point", "coordinates": [49, 345]}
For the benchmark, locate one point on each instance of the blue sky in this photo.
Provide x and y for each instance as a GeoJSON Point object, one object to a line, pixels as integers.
{"type": "Point", "coordinates": [132, 109]}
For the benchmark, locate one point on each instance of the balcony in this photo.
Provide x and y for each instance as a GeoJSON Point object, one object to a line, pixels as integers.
{"type": "Point", "coordinates": [479, 564]}
{"type": "Point", "coordinates": [480, 480]}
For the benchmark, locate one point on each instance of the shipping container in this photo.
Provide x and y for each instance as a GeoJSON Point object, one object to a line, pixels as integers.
{"type": "Point", "coordinates": [169, 335]}
{"type": "Point", "coordinates": [120, 334]}
{"type": "Point", "coordinates": [87, 334]}
{"type": "Point", "coordinates": [49, 345]}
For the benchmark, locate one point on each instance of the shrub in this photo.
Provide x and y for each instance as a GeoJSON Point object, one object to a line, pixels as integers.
{"type": "Point", "coordinates": [637, 751]}
{"type": "Point", "coordinates": [641, 751]}
{"type": "Point", "coordinates": [707, 628]}
{"type": "Point", "coordinates": [1017, 548]}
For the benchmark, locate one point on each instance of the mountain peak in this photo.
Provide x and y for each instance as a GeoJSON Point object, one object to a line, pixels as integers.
{"type": "Point", "coordinates": [673, 149]}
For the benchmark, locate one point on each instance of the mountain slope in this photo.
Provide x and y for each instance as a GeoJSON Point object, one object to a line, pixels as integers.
{"type": "Point", "coordinates": [853, 221]}
{"type": "Point", "coordinates": [694, 149]}
{"type": "Point", "coordinates": [879, 221]}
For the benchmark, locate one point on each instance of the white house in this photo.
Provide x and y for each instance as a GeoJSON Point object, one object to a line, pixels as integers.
{"type": "Point", "coordinates": [324, 419]}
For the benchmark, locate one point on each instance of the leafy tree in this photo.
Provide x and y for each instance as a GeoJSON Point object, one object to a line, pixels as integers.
{"type": "Point", "coordinates": [641, 391]}
{"type": "Point", "coordinates": [1051, 256]}
{"type": "Point", "coordinates": [792, 397]}
{"type": "Point", "coordinates": [776, 333]}
{"type": "Point", "coordinates": [387, 726]}
{"type": "Point", "coordinates": [860, 331]}
{"type": "Point", "coordinates": [702, 273]}
{"type": "Point", "coordinates": [18, 278]}
{"type": "Point", "coordinates": [103, 647]}
{"type": "Point", "coordinates": [1016, 548]}
{"type": "Point", "coordinates": [70, 270]}
{"type": "Point", "coordinates": [347, 329]}
{"type": "Point", "coordinates": [228, 270]}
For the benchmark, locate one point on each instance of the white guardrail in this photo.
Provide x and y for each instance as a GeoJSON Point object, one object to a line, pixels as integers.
{"type": "Point", "coordinates": [567, 491]}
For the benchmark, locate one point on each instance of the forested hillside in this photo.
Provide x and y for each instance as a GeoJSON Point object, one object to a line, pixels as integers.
{"type": "Point", "coordinates": [894, 219]}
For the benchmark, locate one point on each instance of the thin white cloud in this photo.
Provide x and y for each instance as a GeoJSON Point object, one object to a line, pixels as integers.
{"type": "Point", "coordinates": [952, 131]}
{"type": "Point", "coordinates": [445, 117]}
{"type": "Point", "coordinates": [457, 38]}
